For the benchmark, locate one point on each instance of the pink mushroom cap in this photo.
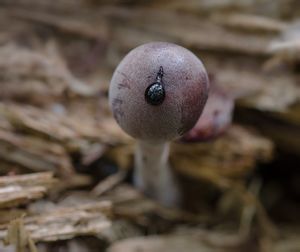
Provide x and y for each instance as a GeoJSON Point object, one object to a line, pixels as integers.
{"type": "Point", "coordinates": [215, 119]}
{"type": "Point", "coordinates": [174, 70]}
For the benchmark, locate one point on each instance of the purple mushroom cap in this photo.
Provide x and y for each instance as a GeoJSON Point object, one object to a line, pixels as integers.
{"type": "Point", "coordinates": [158, 91]}
{"type": "Point", "coordinates": [215, 119]}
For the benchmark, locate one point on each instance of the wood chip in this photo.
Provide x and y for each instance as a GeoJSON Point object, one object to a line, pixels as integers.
{"type": "Point", "coordinates": [108, 183]}
{"type": "Point", "coordinates": [65, 223]}
{"type": "Point", "coordinates": [21, 189]}
{"type": "Point", "coordinates": [34, 153]}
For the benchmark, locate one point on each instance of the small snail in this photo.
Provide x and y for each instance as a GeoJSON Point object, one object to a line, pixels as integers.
{"type": "Point", "coordinates": [155, 93]}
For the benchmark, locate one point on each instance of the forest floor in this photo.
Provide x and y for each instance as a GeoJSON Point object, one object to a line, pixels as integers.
{"type": "Point", "coordinates": [66, 166]}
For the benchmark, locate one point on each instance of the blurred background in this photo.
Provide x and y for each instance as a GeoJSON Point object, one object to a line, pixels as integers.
{"type": "Point", "coordinates": [65, 165]}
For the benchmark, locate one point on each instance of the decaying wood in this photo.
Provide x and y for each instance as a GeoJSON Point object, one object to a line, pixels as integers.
{"type": "Point", "coordinates": [254, 23]}
{"type": "Point", "coordinates": [228, 156]}
{"type": "Point", "coordinates": [63, 128]}
{"type": "Point", "coordinates": [34, 153]}
{"type": "Point", "coordinates": [65, 25]}
{"type": "Point", "coordinates": [16, 195]}
{"type": "Point", "coordinates": [44, 178]}
{"type": "Point", "coordinates": [255, 88]}
{"type": "Point", "coordinates": [270, 8]}
{"type": "Point", "coordinates": [171, 26]}
{"type": "Point", "coordinates": [108, 183]}
{"type": "Point", "coordinates": [49, 137]}
{"type": "Point", "coordinates": [21, 189]}
{"type": "Point", "coordinates": [65, 223]}
{"type": "Point", "coordinates": [132, 205]}
{"type": "Point", "coordinates": [164, 243]}
{"type": "Point", "coordinates": [18, 236]}
{"type": "Point", "coordinates": [56, 61]}
{"type": "Point", "coordinates": [30, 75]}
{"type": "Point", "coordinates": [44, 5]}
{"type": "Point", "coordinates": [9, 214]}
{"type": "Point", "coordinates": [286, 47]}
{"type": "Point", "coordinates": [283, 128]}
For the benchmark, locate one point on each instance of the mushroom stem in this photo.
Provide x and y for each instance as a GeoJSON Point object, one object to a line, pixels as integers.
{"type": "Point", "coordinates": [153, 174]}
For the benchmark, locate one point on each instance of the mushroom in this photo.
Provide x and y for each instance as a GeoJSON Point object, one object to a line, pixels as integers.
{"type": "Point", "coordinates": [216, 117]}
{"type": "Point", "coordinates": [157, 93]}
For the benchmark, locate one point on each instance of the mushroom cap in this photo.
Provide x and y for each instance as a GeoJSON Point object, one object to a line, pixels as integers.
{"type": "Point", "coordinates": [216, 117]}
{"type": "Point", "coordinates": [173, 112]}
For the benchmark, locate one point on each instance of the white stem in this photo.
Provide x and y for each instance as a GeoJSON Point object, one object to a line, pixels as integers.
{"type": "Point", "coordinates": [153, 175]}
